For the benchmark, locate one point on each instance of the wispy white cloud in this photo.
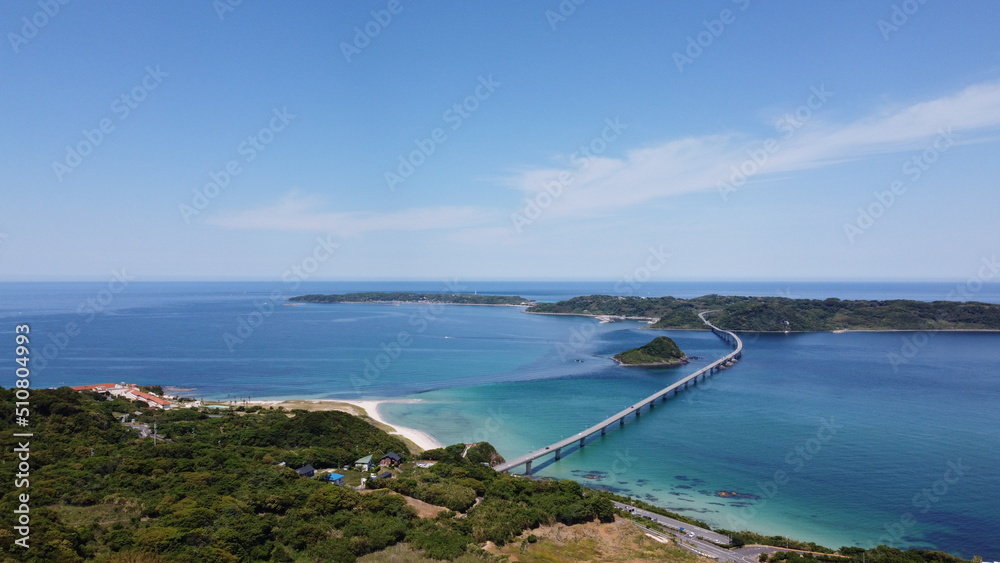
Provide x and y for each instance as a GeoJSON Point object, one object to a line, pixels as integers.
{"type": "Point", "coordinates": [603, 184]}
{"type": "Point", "coordinates": [306, 214]}
{"type": "Point", "coordinates": [700, 163]}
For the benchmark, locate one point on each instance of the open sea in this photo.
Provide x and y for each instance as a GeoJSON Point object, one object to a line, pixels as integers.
{"type": "Point", "coordinates": [842, 439]}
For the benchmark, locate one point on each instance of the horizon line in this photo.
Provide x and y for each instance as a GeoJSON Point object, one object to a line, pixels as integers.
{"type": "Point", "coordinates": [497, 280]}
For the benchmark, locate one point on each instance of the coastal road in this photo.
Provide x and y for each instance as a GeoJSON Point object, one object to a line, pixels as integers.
{"type": "Point", "coordinates": [704, 540]}
{"type": "Point", "coordinates": [676, 524]}
{"type": "Point", "coordinates": [697, 546]}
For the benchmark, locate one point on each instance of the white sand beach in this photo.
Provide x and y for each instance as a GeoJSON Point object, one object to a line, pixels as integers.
{"type": "Point", "coordinates": [418, 437]}
{"type": "Point", "coordinates": [370, 409]}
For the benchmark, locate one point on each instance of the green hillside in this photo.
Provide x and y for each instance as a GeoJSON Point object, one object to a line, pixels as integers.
{"type": "Point", "coordinates": [782, 314]}
{"type": "Point", "coordinates": [222, 486]}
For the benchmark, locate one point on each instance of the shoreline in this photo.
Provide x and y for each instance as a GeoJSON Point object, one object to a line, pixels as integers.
{"type": "Point", "coordinates": [367, 408]}
{"type": "Point", "coordinates": [293, 303]}
{"type": "Point", "coordinates": [673, 364]}
{"type": "Point", "coordinates": [424, 440]}
{"type": "Point", "coordinates": [738, 331]}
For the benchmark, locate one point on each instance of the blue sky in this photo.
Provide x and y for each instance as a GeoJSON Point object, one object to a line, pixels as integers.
{"type": "Point", "coordinates": [510, 140]}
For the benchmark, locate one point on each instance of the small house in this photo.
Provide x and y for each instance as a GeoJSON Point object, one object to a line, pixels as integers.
{"type": "Point", "coordinates": [335, 478]}
{"type": "Point", "coordinates": [306, 471]}
{"type": "Point", "coordinates": [386, 475]}
{"type": "Point", "coordinates": [390, 459]}
{"type": "Point", "coordinates": [364, 464]}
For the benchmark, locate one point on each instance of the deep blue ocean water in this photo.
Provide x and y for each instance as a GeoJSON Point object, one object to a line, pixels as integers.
{"type": "Point", "coordinates": [842, 439]}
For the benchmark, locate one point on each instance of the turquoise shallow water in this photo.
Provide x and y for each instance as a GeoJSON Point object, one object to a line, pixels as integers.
{"type": "Point", "coordinates": [856, 443]}
{"type": "Point", "coordinates": [867, 452]}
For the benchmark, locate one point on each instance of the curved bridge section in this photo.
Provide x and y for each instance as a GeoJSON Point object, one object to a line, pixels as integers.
{"type": "Point", "coordinates": [635, 410]}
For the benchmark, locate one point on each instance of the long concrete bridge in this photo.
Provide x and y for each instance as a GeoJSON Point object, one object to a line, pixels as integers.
{"type": "Point", "coordinates": [636, 409]}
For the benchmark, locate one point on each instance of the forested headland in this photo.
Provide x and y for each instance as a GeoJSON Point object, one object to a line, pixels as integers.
{"type": "Point", "coordinates": [409, 297]}
{"type": "Point", "coordinates": [780, 314]}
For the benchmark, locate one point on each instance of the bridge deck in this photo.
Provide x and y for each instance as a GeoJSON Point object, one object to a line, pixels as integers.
{"type": "Point", "coordinates": [634, 409]}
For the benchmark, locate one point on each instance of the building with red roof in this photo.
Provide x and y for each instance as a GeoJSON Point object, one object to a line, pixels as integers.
{"type": "Point", "coordinates": [126, 391]}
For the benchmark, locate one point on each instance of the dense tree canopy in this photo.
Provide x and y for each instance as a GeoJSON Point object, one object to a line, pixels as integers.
{"type": "Point", "coordinates": [223, 487]}
{"type": "Point", "coordinates": [661, 350]}
{"type": "Point", "coordinates": [783, 314]}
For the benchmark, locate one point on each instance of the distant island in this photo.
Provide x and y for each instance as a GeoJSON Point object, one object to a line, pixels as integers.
{"type": "Point", "coordinates": [659, 352]}
{"type": "Point", "coordinates": [409, 297]}
{"type": "Point", "coordinates": [780, 314]}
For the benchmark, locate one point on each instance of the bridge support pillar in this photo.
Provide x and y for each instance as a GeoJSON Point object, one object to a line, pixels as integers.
{"type": "Point", "coordinates": [527, 468]}
{"type": "Point", "coordinates": [558, 453]}
{"type": "Point", "coordinates": [582, 440]}
{"type": "Point", "coordinates": [604, 430]}
{"type": "Point", "coordinates": [638, 412]}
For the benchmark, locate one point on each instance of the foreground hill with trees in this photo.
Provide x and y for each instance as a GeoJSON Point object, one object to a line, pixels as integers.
{"type": "Point", "coordinates": [780, 314]}
{"type": "Point", "coordinates": [223, 486]}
